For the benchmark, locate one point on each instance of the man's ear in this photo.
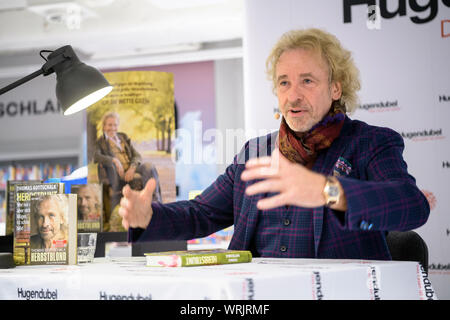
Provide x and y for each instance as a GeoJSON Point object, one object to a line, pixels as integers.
{"type": "Point", "coordinates": [336, 90]}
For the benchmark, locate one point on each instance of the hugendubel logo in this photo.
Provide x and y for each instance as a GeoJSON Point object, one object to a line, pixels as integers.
{"type": "Point", "coordinates": [422, 135]}
{"type": "Point", "coordinates": [373, 282]}
{"type": "Point", "coordinates": [317, 292]}
{"type": "Point", "coordinates": [418, 11]}
{"type": "Point", "coordinates": [443, 97]}
{"type": "Point", "coordinates": [250, 289]}
{"type": "Point", "coordinates": [426, 291]}
{"type": "Point", "coordinates": [381, 106]}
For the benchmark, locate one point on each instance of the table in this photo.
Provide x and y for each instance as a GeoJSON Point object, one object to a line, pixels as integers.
{"type": "Point", "coordinates": [263, 278]}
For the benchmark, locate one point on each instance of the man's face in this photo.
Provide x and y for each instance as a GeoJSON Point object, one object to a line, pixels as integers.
{"type": "Point", "coordinates": [49, 219]}
{"type": "Point", "coordinates": [110, 126]}
{"type": "Point", "coordinates": [303, 89]}
{"type": "Point", "coordinates": [86, 202]}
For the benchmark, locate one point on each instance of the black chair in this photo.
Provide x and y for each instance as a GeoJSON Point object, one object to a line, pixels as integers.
{"type": "Point", "coordinates": [408, 246]}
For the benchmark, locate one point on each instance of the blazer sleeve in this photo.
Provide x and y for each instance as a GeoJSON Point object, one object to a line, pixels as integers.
{"type": "Point", "coordinates": [389, 199]}
{"type": "Point", "coordinates": [209, 212]}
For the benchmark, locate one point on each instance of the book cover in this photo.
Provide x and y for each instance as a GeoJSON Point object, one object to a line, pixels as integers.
{"type": "Point", "coordinates": [90, 206]}
{"type": "Point", "coordinates": [28, 225]}
{"type": "Point", "coordinates": [11, 203]}
{"type": "Point", "coordinates": [190, 258]}
{"type": "Point", "coordinates": [46, 230]}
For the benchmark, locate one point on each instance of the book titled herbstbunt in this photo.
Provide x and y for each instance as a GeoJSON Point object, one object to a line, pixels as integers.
{"type": "Point", "coordinates": [191, 258]}
{"type": "Point", "coordinates": [45, 226]}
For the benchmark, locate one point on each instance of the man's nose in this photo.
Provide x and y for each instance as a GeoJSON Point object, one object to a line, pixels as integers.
{"type": "Point", "coordinates": [46, 221]}
{"type": "Point", "coordinates": [295, 94]}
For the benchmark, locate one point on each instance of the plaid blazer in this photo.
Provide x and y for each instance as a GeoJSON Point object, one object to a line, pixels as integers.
{"type": "Point", "coordinates": [367, 160]}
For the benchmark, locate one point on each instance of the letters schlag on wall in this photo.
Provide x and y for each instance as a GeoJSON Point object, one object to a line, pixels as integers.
{"type": "Point", "coordinates": [28, 108]}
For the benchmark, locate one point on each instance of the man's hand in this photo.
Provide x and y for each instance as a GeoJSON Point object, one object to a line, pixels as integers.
{"type": "Point", "coordinates": [129, 175]}
{"type": "Point", "coordinates": [295, 184]}
{"type": "Point", "coordinates": [135, 206]}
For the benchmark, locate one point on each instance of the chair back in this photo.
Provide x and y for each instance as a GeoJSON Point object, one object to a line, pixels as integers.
{"type": "Point", "coordinates": [408, 246]}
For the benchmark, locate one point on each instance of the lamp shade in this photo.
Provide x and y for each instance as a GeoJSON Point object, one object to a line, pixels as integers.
{"type": "Point", "coordinates": [77, 84]}
{"type": "Point", "coordinates": [80, 86]}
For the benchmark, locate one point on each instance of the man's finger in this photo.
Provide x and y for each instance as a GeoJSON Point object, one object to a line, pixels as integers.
{"type": "Point", "coordinates": [127, 191]}
{"type": "Point", "coordinates": [261, 161]}
{"type": "Point", "coordinates": [259, 173]}
{"type": "Point", "coordinates": [271, 202]}
{"type": "Point", "coordinates": [149, 188]}
{"type": "Point", "coordinates": [122, 212]}
{"type": "Point", "coordinates": [125, 224]}
{"type": "Point", "coordinates": [270, 185]}
{"type": "Point", "coordinates": [124, 203]}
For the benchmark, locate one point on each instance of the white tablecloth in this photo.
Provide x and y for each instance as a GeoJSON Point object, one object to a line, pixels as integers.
{"type": "Point", "coordinates": [263, 278]}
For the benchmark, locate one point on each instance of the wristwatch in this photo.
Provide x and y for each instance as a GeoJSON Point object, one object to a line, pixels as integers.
{"type": "Point", "coordinates": [331, 191]}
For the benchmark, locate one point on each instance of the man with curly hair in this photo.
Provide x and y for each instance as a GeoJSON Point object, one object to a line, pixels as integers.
{"type": "Point", "coordinates": [51, 215]}
{"type": "Point", "coordinates": [322, 186]}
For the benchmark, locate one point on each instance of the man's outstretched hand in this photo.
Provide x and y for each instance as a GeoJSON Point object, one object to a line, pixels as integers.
{"type": "Point", "coordinates": [293, 183]}
{"type": "Point", "coordinates": [135, 206]}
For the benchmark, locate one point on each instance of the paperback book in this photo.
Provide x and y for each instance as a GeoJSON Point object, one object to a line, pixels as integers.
{"type": "Point", "coordinates": [90, 206]}
{"type": "Point", "coordinates": [45, 225]}
{"type": "Point", "coordinates": [190, 258]}
{"type": "Point", "coordinates": [11, 202]}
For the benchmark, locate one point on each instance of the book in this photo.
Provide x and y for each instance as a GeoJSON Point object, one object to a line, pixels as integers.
{"type": "Point", "coordinates": [45, 224]}
{"type": "Point", "coordinates": [190, 258]}
{"type": "Point", "coordinates": [11, 204]}
{"type": "Point", "coordinates": [90, 206]}
{"type": "Point", "coordinates": [46, 231]}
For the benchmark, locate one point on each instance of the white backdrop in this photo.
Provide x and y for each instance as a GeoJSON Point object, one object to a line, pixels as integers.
{"type": "Point", "coordinates": [405, 76]}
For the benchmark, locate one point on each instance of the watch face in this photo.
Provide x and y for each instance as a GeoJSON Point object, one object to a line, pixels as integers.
{"type": "Point", "coordinates": [333, 191]}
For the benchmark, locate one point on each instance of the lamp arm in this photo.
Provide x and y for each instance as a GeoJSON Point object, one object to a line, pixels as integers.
{"type": "Point", "coordinates": [21, 81]}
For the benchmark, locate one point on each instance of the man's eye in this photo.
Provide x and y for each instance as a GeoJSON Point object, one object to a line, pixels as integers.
{"type": "Point", "coordinates": [307, 81]}
{"type": "Point", "coordinates": [283, 83]}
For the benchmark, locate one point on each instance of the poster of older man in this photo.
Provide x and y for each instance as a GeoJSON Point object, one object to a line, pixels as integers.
{"type": "Point", "coordinates": [131, 138]}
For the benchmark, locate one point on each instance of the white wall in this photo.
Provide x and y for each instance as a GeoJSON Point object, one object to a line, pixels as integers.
{"type": "Point", "coordinates": [403, 65]}
{"type": "Point", "coordinates": [229, 109]}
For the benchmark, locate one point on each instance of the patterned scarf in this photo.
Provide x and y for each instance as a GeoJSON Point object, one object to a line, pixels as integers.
{"type": "Point", "coordinates": [304, 149]}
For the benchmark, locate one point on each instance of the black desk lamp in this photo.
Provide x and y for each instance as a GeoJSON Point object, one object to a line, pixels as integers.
{"type": "Point", "coordinates": [77, 84]}
{"type": "Point", "coordinates": [77, 87]}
